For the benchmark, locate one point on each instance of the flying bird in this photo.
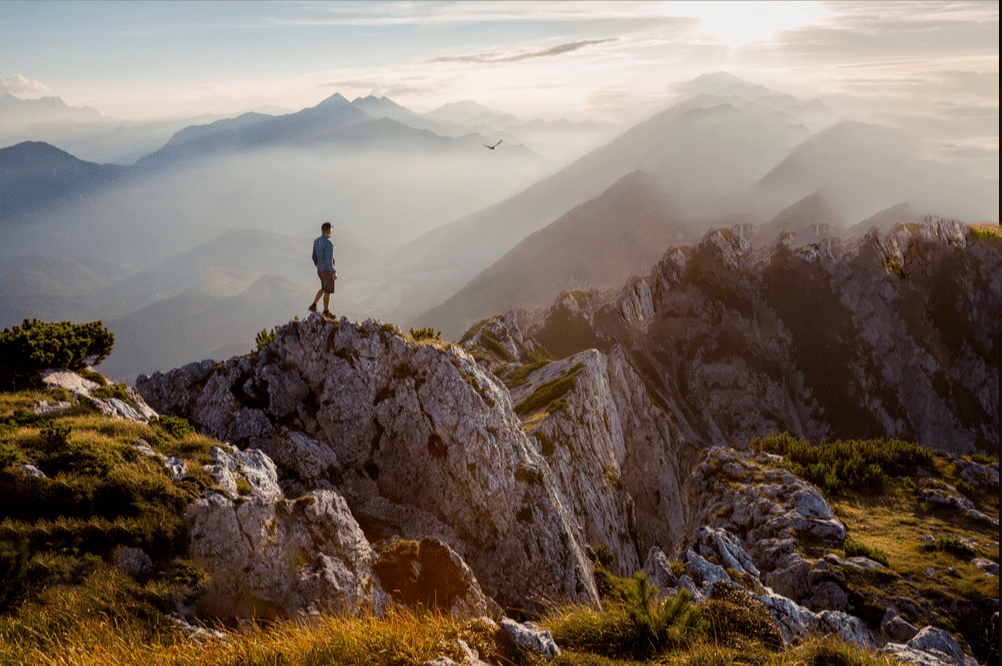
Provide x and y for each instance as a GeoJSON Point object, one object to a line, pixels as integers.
{"type": "Point", "coordinates": [492, 147]}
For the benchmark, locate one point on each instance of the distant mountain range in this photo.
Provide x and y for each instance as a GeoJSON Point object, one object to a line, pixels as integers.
{"type": "Point", "coordinates": [225, 204]}
{"type": "Point", "coordinates": [335, 123]}
{"type": "Point", "coordinates": [18, 113]}
{"type": "Point", "coordinates": [34, 174]}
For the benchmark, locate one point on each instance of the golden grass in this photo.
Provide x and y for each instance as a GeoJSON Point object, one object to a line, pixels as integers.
{"type": "Point", "coordinates": [895, 522]}
{"type": "Point", "coordinates": [989, 228]}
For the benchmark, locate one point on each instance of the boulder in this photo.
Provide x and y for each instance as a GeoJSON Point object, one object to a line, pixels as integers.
{"type": "Point", "coordinates": [897, 628]}
{"type": "Point", "coordinates": [282, 558]}
{"type": "Point", "coordinates": [658, 570]}
{"type": "Point", "coordinates": [132, 561]}
{"type": "Point", "coordinates": [430, 574]}
{"type": "Point", "coordinates": [848, 628]}
{"type": "Point", "coordinates": [530, 638]}
{"type": "Point", "coordinates": [930, 647]}
{"type": "Point", "coordinates": [935, 640]}
{"type": "Point", "coordinates": [31, 470]}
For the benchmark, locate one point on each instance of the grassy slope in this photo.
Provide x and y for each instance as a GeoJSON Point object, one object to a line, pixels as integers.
{"type": "Point", "coordinates": [72, 606]}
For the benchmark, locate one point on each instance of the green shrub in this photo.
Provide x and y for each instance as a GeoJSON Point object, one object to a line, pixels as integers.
{"type": "Point", "coordinates": [967, 489]}
{"type": "Point", "coordinates": [264, 338]}
{"type": "Point", "coordinates": [636, 627]}
{"type": "Point", "coordinates": [954, 546]}
{"type": "Point", "coordinates": [604, 557]}
{"type": "Point", "coordinates": [860, 465]}
{"type": "Point", "coordinates": [854, 548]}
{"type": "Point", "coordinates": [14, 559]}
{"type": "Point", "coordinates": [736, 618]}
{"type": "Point", "coordinates": [93, 375]}
{"type": "Point", "coordinates": [982, 459]}
{"type": "Point", "coordinates": [426, 334]}
{"type": "Point", "coordinates": [549, 392]}
{"type": "Point", "coordinates": [33, 346]}
{"type": "Point", "coordinates": [55, 435]}
{"type": "Point", "coordinates": [177, 427]}
{"type": "Point", "coordinates": [9, 456]}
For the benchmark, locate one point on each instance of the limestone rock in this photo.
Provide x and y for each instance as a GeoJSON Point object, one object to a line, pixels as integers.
{"type": "Point", "coordinates": [424, 421]}
{"type": "Point", "coordinates": [733, 491]}
{"type": "Point", "coordinates": [897, 628]}
{"type": "Point", "coordinates": [795, 622]}
{"type": "Point", "coordinates": [657, 568]}
{"type": "Point", "coordinates": [848, 628]}
{"type": "Point", "coordinates": [981, 476]}
{"type": "Point", "coordinates": [285, 558]}
{"type": "Point", "coordinates": [952, 498]}
{"type": "Point", "coordinates": [45, 408]}
{"type": "Point", "coordinates": [31, 470]}
{"type": "Point", "coordinates": [718, 335]}
{"type": "Point", "coordinates": [610, 452]}
{"type": "Point", "coordinates": [930, 647]}
{"type": "Point", "coordinates": [82, 389]}
{"type": "Point", "coordinates": [133, 561]}
{"type": "Point", "coordinates": [989, 567]}
{"type": "Point", "coordinates": [529, 637]}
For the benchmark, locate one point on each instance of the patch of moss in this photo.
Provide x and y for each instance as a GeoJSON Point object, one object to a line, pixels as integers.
{"type": "Point", "coordinates": [550, 391]}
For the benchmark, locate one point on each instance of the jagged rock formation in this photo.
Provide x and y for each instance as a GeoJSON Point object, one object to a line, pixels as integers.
{"type": "Point", "coordinates": [417, 434]}
{"type": "Point", "coordinates": [890, 335]}
{"type": "Point", "coordinates": [616, 460]}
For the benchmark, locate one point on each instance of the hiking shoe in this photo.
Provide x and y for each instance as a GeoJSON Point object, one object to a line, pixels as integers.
{"type": "Point", "coordinates": [312, 308]}
{"type": "Point", "coordinates": [328, 315]}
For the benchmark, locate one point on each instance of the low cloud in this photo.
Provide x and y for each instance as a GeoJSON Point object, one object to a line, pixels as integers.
{"type": "Point", "coordinates": [550, 52]}
{"type": "Point", "coordinates": [18, 85]}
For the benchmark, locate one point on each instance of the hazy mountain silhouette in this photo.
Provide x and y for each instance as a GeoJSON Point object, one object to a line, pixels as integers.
{"type": "Point", "coordinates": [230, 263]}
{"type": "Point", "coordinates": [812, 210]}
{"type": "Point", "coordinates": [704, 154]}
{"type": "Point", "coordinates": [884, 221]}
{"type": "Point", "coordinates": [53, 288]}
{"type": "Point", "coordinates": [862, 168]}
{"type": "Point", "coordinates": [334, 122]}
{"type": "Point", "coordinates": [599, 244]}
{"type": "Point", "coordinates": [19, 113]}
{"type": "Point", "coordinates": [34, 174]}
{"type": "Point", "coordinates": [193, 325]}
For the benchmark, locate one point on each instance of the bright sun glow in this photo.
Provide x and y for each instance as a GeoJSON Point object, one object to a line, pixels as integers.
{"type": "Point", "coordinates": [738, 23]}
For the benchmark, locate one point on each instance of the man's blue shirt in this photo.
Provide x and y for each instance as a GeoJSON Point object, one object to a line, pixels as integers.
{"type": "Point", "coordinates": [323, 253]}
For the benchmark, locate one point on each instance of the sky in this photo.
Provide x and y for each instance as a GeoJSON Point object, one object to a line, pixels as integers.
{"type": "Point", "coordinates": [927, 62]}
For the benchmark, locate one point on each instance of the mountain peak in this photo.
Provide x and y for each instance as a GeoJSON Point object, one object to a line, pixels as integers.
{"type": "Point", "coordinates": [337, 100]}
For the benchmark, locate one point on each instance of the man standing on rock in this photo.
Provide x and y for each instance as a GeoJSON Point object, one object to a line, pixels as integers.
{"type": "Point", "coordinates": [323, 259]}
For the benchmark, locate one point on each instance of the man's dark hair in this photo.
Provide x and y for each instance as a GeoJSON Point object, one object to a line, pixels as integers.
{"type": "Point", "coordinates": [325, 227]}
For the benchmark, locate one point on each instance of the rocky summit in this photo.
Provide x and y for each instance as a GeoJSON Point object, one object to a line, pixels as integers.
{"type": "Point", "coordinates": [607, 435]}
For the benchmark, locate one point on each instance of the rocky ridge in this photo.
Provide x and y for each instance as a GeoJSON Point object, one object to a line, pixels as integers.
{"type": "Point", "coordinates": [519, 465]}
{"type": "Point", "coordinates": [890, 335]}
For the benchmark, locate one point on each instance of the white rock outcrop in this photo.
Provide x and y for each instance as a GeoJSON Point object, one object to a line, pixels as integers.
{"type": "Point", "coordinates": [423, 421]}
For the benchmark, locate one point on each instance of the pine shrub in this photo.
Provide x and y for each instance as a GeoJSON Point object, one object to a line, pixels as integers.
{"type": "Point", "coordinates": [35, 345]}
{"type": "Point", "coordinates": [847, 464]}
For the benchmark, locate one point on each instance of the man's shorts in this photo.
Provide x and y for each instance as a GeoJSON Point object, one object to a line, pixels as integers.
{"type": "Point", "coordinates": [327, 281]}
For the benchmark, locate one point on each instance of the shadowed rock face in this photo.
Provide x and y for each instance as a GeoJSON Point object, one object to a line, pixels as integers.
{"type": "Point", "coordinates": [890, 335]}
{"type": "Point", "coordinates": [416, 436]}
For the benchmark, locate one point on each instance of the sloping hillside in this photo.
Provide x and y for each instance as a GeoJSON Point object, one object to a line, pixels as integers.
{"type": "Point", "coordinates": [599, 244]}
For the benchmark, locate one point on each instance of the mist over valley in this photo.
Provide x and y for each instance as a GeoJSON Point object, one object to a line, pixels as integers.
{"type": "Point", "coordinates": [431, 228]}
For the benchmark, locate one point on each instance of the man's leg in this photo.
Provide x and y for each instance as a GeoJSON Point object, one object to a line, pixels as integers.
{"type": "Point", "coordinates": [327, 300]}
{"type": "Point", "coordinates": [316, 299]}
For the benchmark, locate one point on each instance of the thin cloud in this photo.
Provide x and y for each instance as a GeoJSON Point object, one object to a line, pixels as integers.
{"type": "Point", "coordinates": [18, 85]}
{"type": "Point", "coordinates": [559, 49]}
